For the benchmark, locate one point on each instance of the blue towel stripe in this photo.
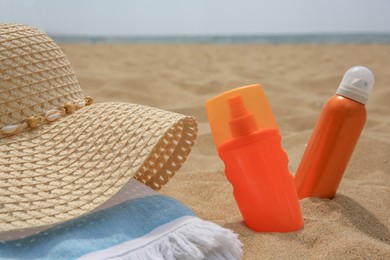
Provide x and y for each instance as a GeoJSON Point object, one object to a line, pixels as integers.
{"type": "Point", "coordinates": [97, 231]}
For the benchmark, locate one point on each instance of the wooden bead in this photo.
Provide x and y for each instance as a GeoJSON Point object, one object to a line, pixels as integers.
{"type": "Point", "coordinates": [88, 100]}
{"type": "Point", "coordinates": [70, 107]}
{"type": "Point", "coordinates": [32, 122]}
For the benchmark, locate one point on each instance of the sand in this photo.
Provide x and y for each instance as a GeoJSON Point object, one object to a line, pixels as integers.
{"type": "Point", "coordinates": [297, 79]}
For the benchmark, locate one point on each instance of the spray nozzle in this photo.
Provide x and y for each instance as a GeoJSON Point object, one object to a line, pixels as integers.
{"type": "Point", "coordinates": [242, 122]}
{"type": "Point", "coordinates": [237, 107]}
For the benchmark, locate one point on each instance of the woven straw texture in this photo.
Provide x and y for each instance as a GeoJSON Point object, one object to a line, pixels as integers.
{"type": "Point", "coordinates": [35, 74]}
{"type": "Point", "coordinates": [66, 168]}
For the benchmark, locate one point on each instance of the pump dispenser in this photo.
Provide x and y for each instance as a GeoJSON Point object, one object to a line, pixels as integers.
{"type": "Point", "coordinates": [255, 163]}
{"type": "Point", "coordinates": [334, 137]}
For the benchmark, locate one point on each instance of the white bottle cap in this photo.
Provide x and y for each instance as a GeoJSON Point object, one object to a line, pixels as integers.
{"type": "Point", "coordinates": [357, 84]}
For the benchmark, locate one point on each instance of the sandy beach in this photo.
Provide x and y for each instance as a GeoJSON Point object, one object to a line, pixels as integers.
{"type": "Point", "coordinates": [298, 80]}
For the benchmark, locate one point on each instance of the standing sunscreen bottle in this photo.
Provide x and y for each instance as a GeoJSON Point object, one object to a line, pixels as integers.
{"type": "Point", "coordinates": [334, 137]}
{"type": "Point", "coordinates": [249, 143]}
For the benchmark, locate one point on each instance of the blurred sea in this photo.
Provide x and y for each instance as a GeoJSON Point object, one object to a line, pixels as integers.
{"type": "Point", "coordinates": [235, 39]}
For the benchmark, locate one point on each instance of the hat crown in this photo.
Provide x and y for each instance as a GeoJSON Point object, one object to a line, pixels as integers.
{"type": "Point", "coordinates": [35, 75]}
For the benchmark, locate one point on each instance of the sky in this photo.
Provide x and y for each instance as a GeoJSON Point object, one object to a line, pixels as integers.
{"type": "Point", "coordinates": [198, 17]}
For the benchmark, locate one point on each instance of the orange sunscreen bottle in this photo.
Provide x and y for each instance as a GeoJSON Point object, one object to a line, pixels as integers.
{"type": "Point", "coordinates": [248, 141]}
{"type": "Point", "coordinates": [334, 137]}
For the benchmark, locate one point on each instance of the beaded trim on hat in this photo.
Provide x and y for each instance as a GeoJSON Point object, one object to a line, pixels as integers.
{"type": "Point", "coordinates": [44, 118]}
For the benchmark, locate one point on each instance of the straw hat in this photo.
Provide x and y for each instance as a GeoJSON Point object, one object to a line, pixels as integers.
{"type": "Point", "coordinates": [62, 156]}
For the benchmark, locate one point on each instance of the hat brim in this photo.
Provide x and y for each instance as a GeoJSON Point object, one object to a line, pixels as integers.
{"type": "Point", "coordinates": [67, 168]}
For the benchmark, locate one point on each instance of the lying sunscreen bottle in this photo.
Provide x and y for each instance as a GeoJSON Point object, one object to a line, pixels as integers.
{"type": "Point", "coordinates": [248, 141]}
{"type": "Point", "coordinates": [334, 137]}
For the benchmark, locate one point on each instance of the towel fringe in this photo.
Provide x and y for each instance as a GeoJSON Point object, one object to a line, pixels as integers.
{"type": "Point", "coordinates": [197, 240]}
